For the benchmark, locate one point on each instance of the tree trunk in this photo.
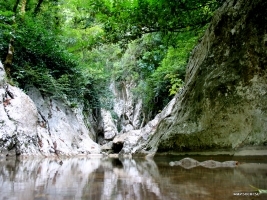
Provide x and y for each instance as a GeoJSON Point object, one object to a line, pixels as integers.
{"type": "Point", "coordinates": [23, 6]}
{"type": "Point", "coordinates": [9, 58]}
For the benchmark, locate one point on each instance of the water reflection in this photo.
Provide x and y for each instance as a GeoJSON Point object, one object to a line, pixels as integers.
{"type": "Point", "coordinates": [106, 178]}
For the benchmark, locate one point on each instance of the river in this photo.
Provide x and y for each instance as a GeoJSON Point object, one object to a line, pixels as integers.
{"type": "Point", "coordinates": [130, 179]}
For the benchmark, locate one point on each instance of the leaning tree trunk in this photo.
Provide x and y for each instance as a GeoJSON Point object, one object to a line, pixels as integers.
{"type": "Point", "coordinates": [23, 6]}
{"type": "Point", "coordinates": [10, 53]}
{"type": "Point", "coordinates": [9, 58]}
{"type": "Point", "coordinates": [224, 103]}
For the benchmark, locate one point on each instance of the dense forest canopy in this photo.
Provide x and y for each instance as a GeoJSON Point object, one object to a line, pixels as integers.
{"type": "Point", "coordinates": [71, 49]}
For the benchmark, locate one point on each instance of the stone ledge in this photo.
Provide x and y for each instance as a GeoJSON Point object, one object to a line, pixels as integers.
{"type": "Point", "coordinates": [248, 151]}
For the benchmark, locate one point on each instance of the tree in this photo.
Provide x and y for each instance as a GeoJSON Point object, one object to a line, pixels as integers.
{"type": "Point", "coordinates": [129, 19]}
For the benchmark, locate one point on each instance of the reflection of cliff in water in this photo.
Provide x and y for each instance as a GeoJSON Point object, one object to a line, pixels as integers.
{"type": "Point", "coordinates": [45, 178]}
{"type": "Point", "coordinates": [216, 183]}
{"type": "Point", "coordinates": [124, 179]}
{"type": "Point", "coordinates": [109, 178]}
{"type": "Point", "coordinates": [78, 178]}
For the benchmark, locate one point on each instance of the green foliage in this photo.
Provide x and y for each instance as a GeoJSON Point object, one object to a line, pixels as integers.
{"type": "Point", "coordinates": [176, 83]}
{"type": "Point", "coordinates": [38, 50]}
{"type": "Point", "coordinates": [80, 41]}
{"type": "Point", "coordinates": [6, 31]}
{"type": "Point", "coordinates": [42, 59]}
{"type": "Point", "coordinates": [71, 49]}
{"type": "Point", "coordinates": [128, 19]}
{"type": "Point", "coordinates": [140, 59]}
{"type": "Point", "coordinates": [157, 88]}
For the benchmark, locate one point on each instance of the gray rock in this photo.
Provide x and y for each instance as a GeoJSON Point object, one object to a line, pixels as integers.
{"type": "Point", "coordinates": [123, 143]}
{"type": "Point", "coordinates": [40, 126]}
{"type": "Point", "coordinates": [224, 101]}
{"type": "Point", "coordinates": [107, 146]}
{"type": "Point", "coordinates": [127, 109]}
{"type": "Point", "coordinates": [136, 139]}
{"type": "Point", "coordinates": [61, 128]}
{"type": "Point", "coordinates": [109, 127]}
{"type": "Point", "coordinates": [189, 163]}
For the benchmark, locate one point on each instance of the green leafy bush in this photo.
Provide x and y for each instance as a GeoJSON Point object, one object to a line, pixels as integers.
{"type": "Point", "coordinates": [41, 59]}
{"type": "Point", "coordinates": [165, 80]}
{"type": "Point", "coordinates": [6, 31]}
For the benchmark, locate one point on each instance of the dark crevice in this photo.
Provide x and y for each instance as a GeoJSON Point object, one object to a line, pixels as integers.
{"type": "Point", "coordinates": [117, 147]}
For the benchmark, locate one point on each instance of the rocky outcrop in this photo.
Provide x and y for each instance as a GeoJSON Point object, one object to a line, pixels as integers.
{"type": "Point", "coordinates": [109, 127]}
{"type": "Point", "coordinates": [134, 141]}
{"type": "Point", "coordinates": [18, 127]}
{"type": "Point", "coordinates": [40, 125]}
{"type": "Point", "coordinates": [125, 115]}
{"type": "Point", "coordinates": [224, 101]}
{"type": "Point", "coordinates": [128, 109]}
{"type": "Point", "coordinates": [123, 143]}
{"type": "Point", "coordinates": [123, 119]}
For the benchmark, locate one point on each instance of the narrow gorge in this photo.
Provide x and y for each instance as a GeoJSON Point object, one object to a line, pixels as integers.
{"type": "Point", "coordinates": [222, 105]}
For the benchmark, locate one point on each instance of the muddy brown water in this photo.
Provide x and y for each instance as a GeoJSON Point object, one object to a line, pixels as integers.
{"type": "Point", "coordinates": [131, 179]}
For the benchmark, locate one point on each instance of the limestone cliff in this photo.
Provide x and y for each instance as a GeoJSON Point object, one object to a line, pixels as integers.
{"type": "Point", "coordinates": [40, 125]}
{"type": "Point", "coordinates": [127, 109]}
{"type": "Point", "coordinates": [224, 102]}
{"type": "Point", "coordinates": [126, 112]}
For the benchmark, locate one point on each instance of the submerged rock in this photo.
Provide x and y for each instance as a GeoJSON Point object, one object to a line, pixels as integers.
{"type": "Point", "coordinates": [189, 163]}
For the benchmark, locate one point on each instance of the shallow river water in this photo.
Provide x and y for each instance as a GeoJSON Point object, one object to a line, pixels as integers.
{"type": "Point", "coordinates": [130, 179]}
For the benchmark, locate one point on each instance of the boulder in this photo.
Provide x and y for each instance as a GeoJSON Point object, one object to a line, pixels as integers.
{"type": "Point", "coordinates": [123, 143]}
{"type": "Point", "coordinates": [134, 141]}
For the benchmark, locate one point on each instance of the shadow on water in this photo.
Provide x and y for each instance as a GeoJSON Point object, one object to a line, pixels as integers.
{"type": "Point", "coordinates": [110, 178]}
{"type": "Point", "coordinates": [116, 163]}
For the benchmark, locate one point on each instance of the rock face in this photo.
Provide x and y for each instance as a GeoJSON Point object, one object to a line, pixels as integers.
{"type": "Point", "coordinates": [224, 102]}
{"type": "Point", "coordinates": [125, 121]}
{"type": "Point", "coordinates": [124, 117]}
{"type": "Point", "coordinates": [40, 125]}
{"type": "Point", "coordinates": [109, 127]}
{"type": "Point", "coordinates": [126, 108]}
{"type": "Point", "coordinates": [135, 140]}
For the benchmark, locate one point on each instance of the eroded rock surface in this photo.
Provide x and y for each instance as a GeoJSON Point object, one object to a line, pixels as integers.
{"type": "Point", "coordinates": [133, 141]}
{"type": "Point", "coordinates": [109, 127]}
{"type": "Point", "coordinates": [224, 101]}
{"type": "Point", "coordinates": [40, 125]}
{"type": "Point", "coordinates": [128, 110]}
